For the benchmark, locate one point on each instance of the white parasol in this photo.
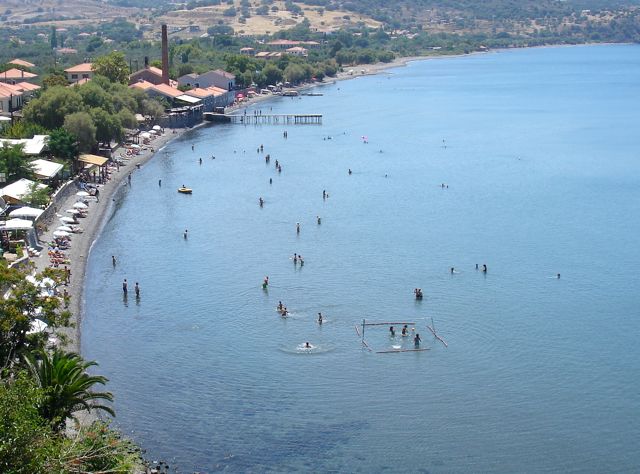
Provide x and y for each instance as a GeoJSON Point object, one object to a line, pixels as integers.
{"type": "Point", "coordinates": [157, 127]}
{"type": "Point", "coordinates": [17, 224]}
{"type": "Point", "coordinates": [60, 233]}
{"type": "Point", "coordinates": [72, 211]}
{"type": "Point", "coordinates": [80, 205]}
{"type": "Point", "coordinates": [67, 220]}
{"type": "Point", "coordinates": [26, 212]}
{"type": "Point", "coordinates": [64, 228]}
{"type": "Point", "coordinates": [82, 193]}
{"type": "Point", "coordinates": [37, 326]}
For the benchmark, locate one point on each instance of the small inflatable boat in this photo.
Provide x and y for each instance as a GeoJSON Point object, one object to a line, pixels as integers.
{"type": "Point", "coordinates": [184, 190]}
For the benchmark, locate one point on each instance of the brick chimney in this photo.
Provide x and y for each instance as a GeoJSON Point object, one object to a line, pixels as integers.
{"type": "Point", "coordinates": [165, 56]}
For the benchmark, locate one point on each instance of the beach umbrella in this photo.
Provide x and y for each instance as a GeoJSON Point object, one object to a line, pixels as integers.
{"type": "Point", "coordinates": [72, 211]}
{"type": "Point", "coordinates": [47, 282]}
{"type": "Point", "coordinates": [60, 233]}
{"type": "Point", "coordinates": [82, 193]}
{"type": "Point", "coordinates": [65, 228]}
{"type": "Point", "coordinates": [80, 205]}
{"type": "Point", "coordinates": [67, 220]}
{"type": "Point", "coordinates": [37, 326]}
{"type": "Point", "coordinates": [31, 279]}
{"type": "Point", "coordinates": [26, 212]}
{"type": "Point", "coordinates": [17, 224]}
{"type": "Point", "coordinates": [145, 135]}
{"type": "Point", "coordinates": [157, 127]}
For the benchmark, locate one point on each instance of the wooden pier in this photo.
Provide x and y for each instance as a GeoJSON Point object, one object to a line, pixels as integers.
{"type": "Point", "coordinates": [266, 119]}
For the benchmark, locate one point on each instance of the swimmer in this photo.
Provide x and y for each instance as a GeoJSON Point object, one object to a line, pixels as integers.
{"type": "Point", "coordinates": [113, 260]}
{"type": "Point", "coordinates": [307, 345]}
{"type": "Point", "coordinates": [270, 180]}
{"type": "Point", "coordinates": [200, 160]}
{"type": "Point", "coordinates": [405, 331]}
{"type": "Point", "coordinates": [392, 332]}
{"type": "Point", "coordinates": [193, 147]}
{"type": "Point", "coordinates": [558, 276]}
{"type": "Point", "coordinates": [319, 220]}
{"type": "Point", "coordinates": [417, 340]}
{"type": "Point", "coordinates": [324, 194]}
{"type": "Point", "coordinates": [265, 283]}
{"type": "Point", "coordinates": [280, 306]}
{"type": "Point", "coordinates": [301, 260]}
{"type": "Point", "coordinates": [350, 171]}
{"type": "Point", "coordinates": [476, 266]}
{"type": "Point", "coordinates": [261, 201]}
{"type": "Point", "coordinates": [295, 258]}
{"type": "Point", "coordinates": [320, 318]}
{"type": "Point", "coordinates": [159, 183]}
{"type": "Point", "coordinates": [452, 270]}
{"type": "Point", "coordinates": [484, 268]}
{"type": "Point", "coordinates": [297, 227]}
{"type": "Point", "coordinates": [186, 234]}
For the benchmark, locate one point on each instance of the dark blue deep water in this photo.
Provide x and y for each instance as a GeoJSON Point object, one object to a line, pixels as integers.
{"type": "Point", "coordinates": [539, 149]}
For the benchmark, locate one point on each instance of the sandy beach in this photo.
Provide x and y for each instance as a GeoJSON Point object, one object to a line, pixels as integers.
{"type": "Point", "coordinates": [81, 243]}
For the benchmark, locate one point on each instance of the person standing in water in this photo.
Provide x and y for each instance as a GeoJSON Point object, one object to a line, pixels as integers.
{"type": "Point", "coordinates": [159, 183]}
{"type": "Point", "coordinates": [297, 227]}
{"type": "Point", "coordinates": [113, 260]}
{"type": "Point", "coordinates": [186, 233]}
{"type": "Point", "coordinates": [417, 340]}
{"type": "Point", "coordinates": [320, 318]}
{"type": "Point", "coordinates": [319, 220]}
{"type": "Point", "coordinates": [124, 286]}
{"type": "Point", "coordinates": [405, 330]}
{"type": "Point", "coordinates": [137, 290]}
{"type": "Point", "coordinates": [392, 332]}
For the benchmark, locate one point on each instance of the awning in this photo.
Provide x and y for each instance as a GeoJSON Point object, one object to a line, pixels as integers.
{"type": "Point", "coordinates": [45, 169]}
{"type": "Point", "coordinates": [93, 159]}
{"type": "Point", "coordinates": [188, 99]}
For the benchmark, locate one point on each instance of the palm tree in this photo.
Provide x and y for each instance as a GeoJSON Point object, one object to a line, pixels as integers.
{"type": "Point", "coordinates": [67, 385]}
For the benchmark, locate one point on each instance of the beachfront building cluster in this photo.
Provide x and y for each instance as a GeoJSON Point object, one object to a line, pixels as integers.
{"type": "Point", "coordinates": [16, 87]}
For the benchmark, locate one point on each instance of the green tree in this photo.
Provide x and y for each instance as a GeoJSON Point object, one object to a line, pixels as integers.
{"type": "Point", "coordinates": [22, 305]}
{"type": "Point", "coordinates": [62, 144]}
{"type": "Point", "coordinates": [37, 196]}
{"type": "Point", "coordinates": [52, 80]}
{"type": "Point", "coordinates": [108, 126]}
{"type": "Point", "coordinates": [127, 118]}
{"type": "Point", "coordinates": [67, 385]}
{"type": "Point", "coordinates": [53, 38]}
{"type": "Point", "coordinates": [14, 163]}
{"type": "Point", "coordinates": [51, 108]}
{"type": "Point", "coordinates": [272, 74]}
{"type": "Point", "coordinates": [113, 66]}
{"type": "Point", "coordinates": [81, 126]}
{"type": "Point", "coordinates": [152, 108]}
{"type": "Point", "coordinates": [24, 434]}
{"type": "Point", "coordinates": [95, 96]}
{"type": "Point", "coordinates": [23, 129]}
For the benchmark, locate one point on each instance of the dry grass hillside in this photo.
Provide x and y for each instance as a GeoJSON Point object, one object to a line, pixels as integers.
{"type": "Point", "coordinates": [281, 19]}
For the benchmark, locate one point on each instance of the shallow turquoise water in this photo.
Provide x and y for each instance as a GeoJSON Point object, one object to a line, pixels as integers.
{"type": "Point", "coordinates": [539, 150]}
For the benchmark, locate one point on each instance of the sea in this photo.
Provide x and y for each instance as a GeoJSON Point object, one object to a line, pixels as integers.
{"type": "Point", "coordinates": [526, 161]}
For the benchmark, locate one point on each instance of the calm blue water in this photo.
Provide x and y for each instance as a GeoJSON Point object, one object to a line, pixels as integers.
{"type": "Point", "coordinates": [540, 154]}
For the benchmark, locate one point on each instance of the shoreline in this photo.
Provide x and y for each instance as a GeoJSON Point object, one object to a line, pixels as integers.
{"type": "Point", "coordinates": [92, 225]}
{"type": "Point", "coordinates": [98, 214]}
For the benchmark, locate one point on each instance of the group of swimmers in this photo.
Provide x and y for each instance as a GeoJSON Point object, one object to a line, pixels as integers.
{"type": "Point", "coordinates": [297, 258]}
{"type": "Point", "coordinates": [418, 293]}
{"type": "Point", "coordinates": [405, 333]}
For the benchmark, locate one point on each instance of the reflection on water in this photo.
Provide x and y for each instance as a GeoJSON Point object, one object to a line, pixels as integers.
{"type": "Point", "coordinates": [202, 364]}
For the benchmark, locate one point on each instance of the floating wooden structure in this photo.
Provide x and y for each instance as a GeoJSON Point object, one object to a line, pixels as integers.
{"type": "Point", "coordinates": [402, 350]}
{"type": "Point", "coordinates": [276, 119]}
{"type": "Point", "coordinates": [432, 328]}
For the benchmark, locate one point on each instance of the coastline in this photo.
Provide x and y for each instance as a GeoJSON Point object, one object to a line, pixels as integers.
{"type": "Point", "coordinates": [99, 212]}
{"type": "Point", "coordinates": [92, 225]}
